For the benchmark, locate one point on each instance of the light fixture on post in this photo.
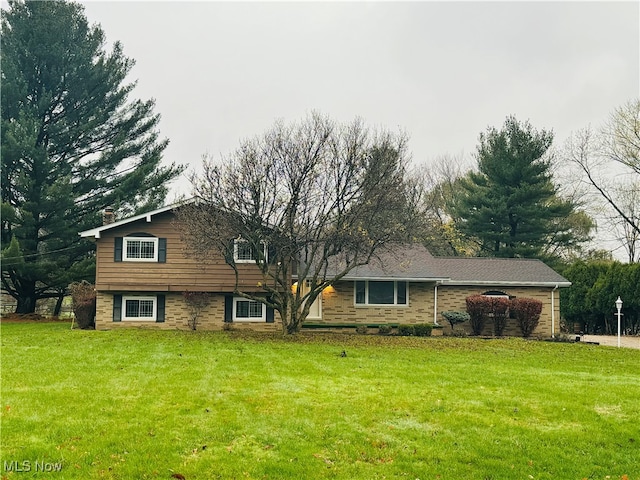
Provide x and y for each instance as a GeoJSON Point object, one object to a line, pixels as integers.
{"type": "Point", "coordinates": [619, 307]}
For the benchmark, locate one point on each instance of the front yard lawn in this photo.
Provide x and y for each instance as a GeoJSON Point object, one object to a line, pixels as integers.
{"type": "Point", "coordinates": [146, 404]}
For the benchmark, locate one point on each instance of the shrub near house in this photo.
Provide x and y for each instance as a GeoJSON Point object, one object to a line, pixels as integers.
{"type": "Point", "coordinates": [83, 295]}
{"type": "Point", "coordinates": [456, 317]}
{"type": "Point", "coordinates": [527, 312]}
{"type": "Point", "coordinates": [485, 308]}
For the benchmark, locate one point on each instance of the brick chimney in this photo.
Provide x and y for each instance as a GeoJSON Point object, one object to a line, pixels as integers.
{"type": "Point", "coordinates": [108, 216]}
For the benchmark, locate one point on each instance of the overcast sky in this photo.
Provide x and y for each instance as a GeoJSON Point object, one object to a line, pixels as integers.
{"type": "Point", "coordinates": [441, 71]}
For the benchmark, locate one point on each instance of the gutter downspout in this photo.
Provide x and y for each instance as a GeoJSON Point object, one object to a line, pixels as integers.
{"type": "Point", "coordinates": [435, 303]}
{"type": "Point", "coordinates": [553, 313]}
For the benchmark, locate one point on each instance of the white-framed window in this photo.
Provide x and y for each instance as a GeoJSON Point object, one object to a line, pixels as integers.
{"type": "Point", "coordinates": [138, 308]}
{"type": "Point", "coordinates": [381, 292]}
{"type": "Point", "coordinates": [140, 249]}
{"type": "Point", "coordinates": [243, 253]}
{"type": "Point", "coordinates": [245, 310]}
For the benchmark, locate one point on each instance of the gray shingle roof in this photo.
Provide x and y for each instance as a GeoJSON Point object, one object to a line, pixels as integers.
{"type": "Point", "coordinates": [508, 271]}
{"type": "Point", "coordinates": [402, 262]}
{"type": "Point", "coordinates": [414, 262]}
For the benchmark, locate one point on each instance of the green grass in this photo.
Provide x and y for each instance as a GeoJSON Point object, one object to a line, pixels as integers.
{"type": "Point", "coordinates": [137, 404]}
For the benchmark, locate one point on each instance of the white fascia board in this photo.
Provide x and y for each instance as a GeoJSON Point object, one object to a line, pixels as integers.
{"type": "Point", "coordinates": [508, 284]}
{"type": "Point", "coordinates": [95, 232]}
{"type": "Point", "coordinates": [399, 279]}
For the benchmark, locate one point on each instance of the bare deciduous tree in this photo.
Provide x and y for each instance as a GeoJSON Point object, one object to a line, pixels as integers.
{"type": "Point", "coordinates": [438, 182]}
{"type": "Point", "coordinates": [609, 161]}
{"type": "Point", "coordinates": [313, 199]}
{"type": "Point", "coordinates": [196, 303]}
{"type": "Point", "coordinates": [627, 195]}
{"type": "Point", "coordinates": [622, 136]}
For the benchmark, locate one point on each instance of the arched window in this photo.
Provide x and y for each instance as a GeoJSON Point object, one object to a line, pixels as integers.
{"type": "Point", "coordinates": [499, 294]}
{"type": "Point", "coordinates": [495, 293]}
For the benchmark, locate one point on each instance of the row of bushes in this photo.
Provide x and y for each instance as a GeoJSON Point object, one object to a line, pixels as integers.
{"type": "Point", "coordinates": [482, 308]}
{"type": "Point", "coordinates": [417, 330]}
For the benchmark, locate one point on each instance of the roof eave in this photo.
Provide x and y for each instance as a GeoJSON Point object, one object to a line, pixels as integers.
{"type": "Point", "coordinates": [401, 279]}
{"type": "Point", "coordinates": [96, 232]}
{"type": "Point", "coordinates": [351, 278]}
{"type": "Point", "coordinates": [509, 283]}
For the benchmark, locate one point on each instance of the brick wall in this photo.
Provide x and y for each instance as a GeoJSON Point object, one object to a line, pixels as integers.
{"type": "Point", "coordinates": [176, 315]}
{"type": "Point", "coordinates": [453, 298]}
{"type": "Point", "coordinates": [338, 306]}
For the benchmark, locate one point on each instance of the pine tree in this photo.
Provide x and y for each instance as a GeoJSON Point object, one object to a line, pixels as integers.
{"type": "Point", "coordinates": [511, 206]}
{"type": "Point", "coordinates": [72, 144]}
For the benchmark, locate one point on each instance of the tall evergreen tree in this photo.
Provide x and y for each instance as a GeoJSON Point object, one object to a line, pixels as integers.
{"type": "Point", "coordinates": [72, 144]}
{"type": "Point", "coordinates": [510, 206]}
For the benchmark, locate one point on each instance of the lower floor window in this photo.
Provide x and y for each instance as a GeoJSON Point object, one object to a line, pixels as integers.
{"type": "Point", "coordinates": [248, 310]}
{"type": "Point", "coordinates": [370, 292]}
{"type": "Point", "coordinates": [139, 308]}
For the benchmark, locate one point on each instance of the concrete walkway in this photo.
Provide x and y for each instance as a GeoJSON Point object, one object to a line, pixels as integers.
{"type": "Point", "coordinates": [612, 340]}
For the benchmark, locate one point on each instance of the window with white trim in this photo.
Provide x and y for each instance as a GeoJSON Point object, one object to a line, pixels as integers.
{"type": "Point", "coordinates": [381, 292]}
{"type": "Point", "coordinates": [140, 249]}
{"type": "Point", "coordinates": [244, 253]}
{"type": "Point", "coordinates": [139, 308]}
{"type": "Point", "coordinates": [245, 310]}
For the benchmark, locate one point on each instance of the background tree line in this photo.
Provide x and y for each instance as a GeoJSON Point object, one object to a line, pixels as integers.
{"type": "Point", "coordinates": [589, 304]}
{"type": "Point", "coordinates": [527, 198]}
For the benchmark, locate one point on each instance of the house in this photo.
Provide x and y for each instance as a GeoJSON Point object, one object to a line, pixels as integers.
{"type": "Point", "coordinates": [142, 272]}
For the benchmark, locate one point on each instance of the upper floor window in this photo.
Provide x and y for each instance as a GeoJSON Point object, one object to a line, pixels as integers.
{"type": "Point", "coordinates": [244, 253]}
{"type": "Point", "coordinates": [140, 248]}
{"type": "Point", "coordinates": [386, 292]}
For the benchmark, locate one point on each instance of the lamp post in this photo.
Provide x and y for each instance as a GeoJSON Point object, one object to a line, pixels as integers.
{"type": "Point", "coordinates": [619, 307]}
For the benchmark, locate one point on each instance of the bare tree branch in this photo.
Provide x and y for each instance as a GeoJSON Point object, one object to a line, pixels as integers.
{"type": "Point", "coordinates": [317, 193]}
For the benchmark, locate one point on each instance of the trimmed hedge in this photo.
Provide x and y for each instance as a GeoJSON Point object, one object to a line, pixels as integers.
{"type": "Point", "coordinates": [477, 310]}
{"type": "Point", "coordinates": [385, 329]}
{"type": "Point", "coordinates": [482, 307]}
{"type": "Point", "coordinates": [406, 330]}
{"type": "Point", "coordinates": [422, 330]}
{"type": "Point", "coordinates": [417, 330]}
{"type": "Point", "coordinates": [527, 312]}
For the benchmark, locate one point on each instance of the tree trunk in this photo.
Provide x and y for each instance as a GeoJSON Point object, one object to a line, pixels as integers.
{"type": "Point", "coordinates": [58, 307]}
{"type": "Point", "coordinates": [291, 321]}
{"type": "Point", "coordinates": [27, 299]}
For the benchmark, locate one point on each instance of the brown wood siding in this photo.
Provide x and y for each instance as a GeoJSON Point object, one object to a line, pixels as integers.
{"type": "Point", "coordinates": [179, 273]}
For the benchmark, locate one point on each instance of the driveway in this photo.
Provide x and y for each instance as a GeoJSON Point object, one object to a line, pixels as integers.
{"type": "Point", "coordinates": [612, 340]}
